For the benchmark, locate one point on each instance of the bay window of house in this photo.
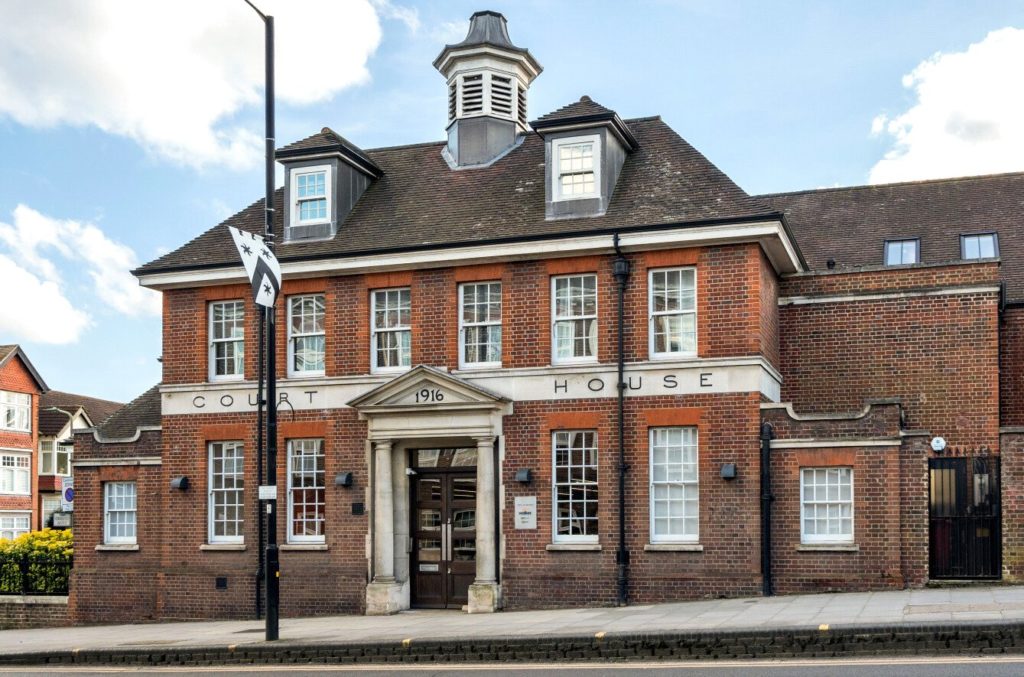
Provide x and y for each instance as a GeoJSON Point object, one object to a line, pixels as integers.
{"type": "Point", "coordinates": [15, 411]}
{"type": "Point", "coordinates": [54, 458]}
{"type": "Point", "coordinates": [673, 312]}
{"type": "Point", "coordinates": [576, 172]}
{"type": "Point", "coordinates": [480, 324]}
{"type": "Point", "coordinates": [826, 500]}
{"type": "Point", "coordinates": [14, 524]}
{"type": "Point", "coordinates": [673, 489]}
{"type": "Point", "coordinates": [574, 455]}
{"type": "Point", "coordinates": [391, 329]}
{"type": "Point", "coordinates": [51, 505]}
{"type": "Point", "coordinates": [226, 488]}
{"type": "Point", "coordinates": [119, 513]}
{"type": "Point", "coordinates": [15, 477]}
{"type": "Point", "coordinates": [574, 318]}
{"type": "Point", "coordinates": [227, 340]}
{"type": "Point", "coordinates": [306, 491]}
{"type": "Point", "coordinates": [306, 335]}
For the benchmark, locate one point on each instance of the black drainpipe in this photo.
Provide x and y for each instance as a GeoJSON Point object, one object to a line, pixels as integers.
{"type": "Point", "coordinates": [766, 509]}
{"type": "Point", "coordinates": [620, 269]}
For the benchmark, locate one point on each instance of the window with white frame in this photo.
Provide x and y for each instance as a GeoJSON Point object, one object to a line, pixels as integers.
{"type": "Point", "coordinates": [826, 500]}
{"type": "Point", "coordinates": [392, 329]}
{"type": "Point", "coordinates": [226, 486]}
{"type": "Point", "coordinates": [575, 486]}
{"type": "Point", "coordinates": [480, 324]}
{"type": "Point", "coordinates": [306, 491]}
{"type": "Point", "coordinates": [311, 190]}
{"type": "Point", "coordinates": [576, 172]}
{"type": "Point", "coordinates": [15, 411]}
{"type": "Point", "coordinates": [15, 477]}
{"type": "Point", "coordinates": [227, 340]}
{"type": "Point", "coordinates": [980, 246]}
{"type": "Point", "coordinates": [902, 252]}
{"type": "Point", "coordinates": [51, 505]}
{"type": "Point", "coordinates": [119, 512]}
{"type": "Point", "coordinates": [54, 458]}
{"type": "Point", "coordinates": [673, 312]}
{"type": "Point", "coordinates": [14, 524]}
{"type": "Point", "coordinates": [306, 335]}
{"type": "Point", "coordinates": [674, 489]}
{"type": "Point", "coordinates": [574, 310]}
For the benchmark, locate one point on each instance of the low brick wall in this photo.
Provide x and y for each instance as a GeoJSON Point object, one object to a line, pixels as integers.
{"type": "Point", "coordinates": [888, 640]}
{"type": "Point", "coordinates": [23, 611]}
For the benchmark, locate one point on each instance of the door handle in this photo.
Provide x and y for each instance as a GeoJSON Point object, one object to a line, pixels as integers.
{"type": "Point", "coordinates": [448, 554]}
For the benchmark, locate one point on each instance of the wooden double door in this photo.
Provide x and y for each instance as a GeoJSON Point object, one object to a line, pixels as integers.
{"type": "Point", "coordinates": [444, 537]}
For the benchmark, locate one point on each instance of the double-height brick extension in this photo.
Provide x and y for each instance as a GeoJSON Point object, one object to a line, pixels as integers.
{"type": "Point", "coordinates": [450, 330]}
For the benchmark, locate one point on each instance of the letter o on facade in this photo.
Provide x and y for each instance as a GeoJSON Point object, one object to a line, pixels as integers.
{"type": "Point", "coordinates": [226, 400]}
{"type": "Point", "coordinates": [595, 382]}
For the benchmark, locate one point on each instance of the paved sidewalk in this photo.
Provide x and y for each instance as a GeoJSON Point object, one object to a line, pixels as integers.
{"type": "Point", "coordinates": [958, 606]}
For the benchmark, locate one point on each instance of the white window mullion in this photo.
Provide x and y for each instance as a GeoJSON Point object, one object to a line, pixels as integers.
{"type": "Point", "coordinates": [674, 485]}
{"type": "Point", "coordinates": [480, 324]}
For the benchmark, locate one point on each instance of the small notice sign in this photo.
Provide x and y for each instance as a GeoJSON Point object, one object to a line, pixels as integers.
{"type": "Point", "coordinates": [67, 494]}
{"type": "Point", "coordinates": [268, 492]}
{"type": "Point", "coordinates": [526, 512]}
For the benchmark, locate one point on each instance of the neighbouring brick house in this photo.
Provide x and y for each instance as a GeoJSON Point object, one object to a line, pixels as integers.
{"type": "Point", "coordinates": [451, 420]}
{"type": "Point", "coordinates": [60, 414]}
{"type": "Point", "coordinates": [20, 389]}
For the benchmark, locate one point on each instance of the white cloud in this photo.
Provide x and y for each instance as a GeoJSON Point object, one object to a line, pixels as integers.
{"type": "Point", "coordinates": [36, 310]}
{"type": "Point", "coordinates": [410, 16]}
{"type": "Point", "coordinates": [40, 250]}
{"type": "Point", "coordinates": [173, 75]}
{"type": "Point", "coordinates": [968, 117]}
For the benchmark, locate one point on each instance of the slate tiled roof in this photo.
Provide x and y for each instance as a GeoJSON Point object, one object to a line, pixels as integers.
{"type": "Point", "coordinates": [585, 107]}
{"type": "Point", "coordinates": [851, 225]}
{"type": "Point", "coordinates": [420, 202]}
{"type": "Point", "coordinates": [5, 352]}
{"type": "Point", "coordinates": [143, 411]}
{"type": "Point", "coordinates": [51, 422]}
{"type": "Point", "coordinates": [328, 140]}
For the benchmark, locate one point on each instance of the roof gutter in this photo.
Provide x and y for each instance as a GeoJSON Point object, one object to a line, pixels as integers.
{"type": "Point", "coordinates": [142, 272]}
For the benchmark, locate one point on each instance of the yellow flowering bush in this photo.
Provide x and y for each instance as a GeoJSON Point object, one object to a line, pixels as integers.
{"type": "Point", "coordinates": [47, 541]}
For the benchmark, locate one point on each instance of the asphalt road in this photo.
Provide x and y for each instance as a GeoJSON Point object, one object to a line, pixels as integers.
{"type": "Point", "coordinates": [865, 667]}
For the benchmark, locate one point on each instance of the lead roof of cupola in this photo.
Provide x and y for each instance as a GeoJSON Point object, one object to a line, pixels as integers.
{"type": "Point", "coordinates": [487, 28]}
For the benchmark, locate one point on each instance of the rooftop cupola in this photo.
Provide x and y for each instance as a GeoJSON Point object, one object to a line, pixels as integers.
{"type": "Point", "coordinates": [488, 78]}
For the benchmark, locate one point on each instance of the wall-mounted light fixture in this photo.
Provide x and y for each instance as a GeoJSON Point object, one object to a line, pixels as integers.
{"type": "Point", "coordinates": [179, 483]}
{"type": "Point", "coordinates": [728, 471]}
{"type": "Point", "coordinates": [524, 476]}
{"type": "Point", "coordinates": [343, 479]}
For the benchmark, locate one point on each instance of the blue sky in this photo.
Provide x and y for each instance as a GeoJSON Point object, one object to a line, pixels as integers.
{"type": "Point", "coordinates": [126, 129]}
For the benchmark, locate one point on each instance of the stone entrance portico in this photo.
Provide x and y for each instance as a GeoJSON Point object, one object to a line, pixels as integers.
{"type": "Point", "coordinates": [428, 407]}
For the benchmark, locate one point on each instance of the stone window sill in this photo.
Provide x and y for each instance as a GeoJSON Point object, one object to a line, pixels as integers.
{"type": "Point", "coordinates": [573, 547]}
{"type": "Point", "coordinates": [223, 547]}
{"type": "Point", "coordinates": [299, 547]}
{"type": "Point", "coordinates": [827, 547]}
{"type": "Point", "coordinates": [674, 547]}
{"type": "Point", "coordinates": [117, 547]}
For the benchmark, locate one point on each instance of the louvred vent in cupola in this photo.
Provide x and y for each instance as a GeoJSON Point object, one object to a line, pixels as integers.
{"type": "Point", "coordinates": [453, 90]}
{"type": "Point", "coordinates": [501, 95]}
{"type": "Point", "coordinates": [472, 94]}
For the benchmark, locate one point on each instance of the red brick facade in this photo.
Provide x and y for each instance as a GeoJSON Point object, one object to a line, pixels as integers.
{"type": "Point", "coordinates": [16, 378]}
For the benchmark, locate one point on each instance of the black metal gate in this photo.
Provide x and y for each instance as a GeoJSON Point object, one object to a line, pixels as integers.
{"type": "Point", "coordinates": [964, 518]}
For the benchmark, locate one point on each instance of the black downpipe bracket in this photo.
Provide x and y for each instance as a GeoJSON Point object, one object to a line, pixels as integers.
{"type": "Point", "coordinates": [766, 509]}
{"type": "Point", "coordinates": [620, 270]}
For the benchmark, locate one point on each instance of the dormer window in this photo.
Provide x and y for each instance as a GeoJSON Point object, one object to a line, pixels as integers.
{"type": "Point", "coordinates": [577, 167]}
{"type": "Point", "coordinates": [312, 195]}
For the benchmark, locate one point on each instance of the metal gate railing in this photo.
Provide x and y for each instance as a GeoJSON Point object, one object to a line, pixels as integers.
{"type": "Point", "coordinates": [965, 515]}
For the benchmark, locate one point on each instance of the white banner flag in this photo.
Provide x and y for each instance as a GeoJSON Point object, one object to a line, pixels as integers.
{"type": "Point", "coordinates": [260, 265]}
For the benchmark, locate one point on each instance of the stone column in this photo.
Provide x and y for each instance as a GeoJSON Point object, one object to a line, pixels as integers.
{"type": "Point", "coordinates": [383, 595]}
{"type": "Point", "coordinates": [483, 593]}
